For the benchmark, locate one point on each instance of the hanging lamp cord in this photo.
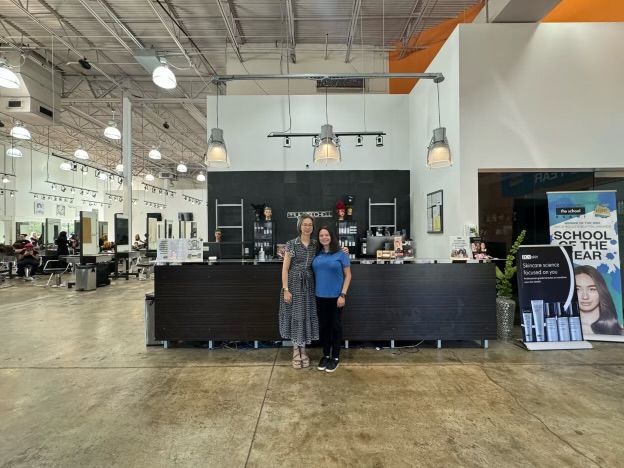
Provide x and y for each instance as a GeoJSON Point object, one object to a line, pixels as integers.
{"type": "Point", "coordinates": [438, 92]}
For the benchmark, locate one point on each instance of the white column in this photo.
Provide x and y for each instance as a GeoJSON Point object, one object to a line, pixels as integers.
{"type": "Point", "coordinates": [126, 160]}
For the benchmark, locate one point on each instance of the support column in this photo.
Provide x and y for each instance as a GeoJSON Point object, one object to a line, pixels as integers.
{"type": "Point", "coordinates": [126, 160]}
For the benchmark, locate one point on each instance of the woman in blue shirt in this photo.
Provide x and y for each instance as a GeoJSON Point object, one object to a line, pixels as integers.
{"type": "Point", "coordinates": [332, 273]}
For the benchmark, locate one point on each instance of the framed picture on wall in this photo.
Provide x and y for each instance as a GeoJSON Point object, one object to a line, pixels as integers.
{"type": "Point", "coordinates": [435, 212]}
{"type": "Point", "coordinates": [39, 208]}
{"type": "Point", "coordinates": [60, 210]}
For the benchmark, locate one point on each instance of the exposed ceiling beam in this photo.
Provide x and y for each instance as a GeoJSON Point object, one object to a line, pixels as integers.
{"type": "Point", "coordinates": [292, 41]}
{"type": "Point", "coordinates": [357, 5]}
{"type": "Point", "coordinates": [106, 26]}
{"type": "Point", "coordinates": [59, 38]}
{"type": "Point", "coordinates": [411, 25]}
{"type": "Point", "coordinates": [229, 27]}
{"type": "Point", "coordinates": [119, 23]}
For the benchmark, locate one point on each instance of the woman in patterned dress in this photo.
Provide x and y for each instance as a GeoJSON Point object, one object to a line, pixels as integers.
{"type": "Point", "coordinates": [298, 321]}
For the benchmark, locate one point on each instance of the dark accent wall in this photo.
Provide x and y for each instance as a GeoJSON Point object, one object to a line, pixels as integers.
{"type": "Point", "coordinates": [307, 191]}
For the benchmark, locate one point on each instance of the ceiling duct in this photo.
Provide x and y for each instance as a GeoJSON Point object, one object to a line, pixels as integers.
{"type": "Point", "coordinates": [33, 101]}
{"type": "Point", "coordinates": [148, 59]}
{"type": "Point", "coordinates": [167, 176]}
{"type": "Point", "coordinates": [349, 84]}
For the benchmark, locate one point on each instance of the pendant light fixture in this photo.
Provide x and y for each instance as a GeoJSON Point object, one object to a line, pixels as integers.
{"type": "Point", "coordinates": [182, 167]}
{"type": "Point", "coordinates": [65, 166]}
{"type": "Point", "coordinates": [112, 132]}
{"type": "Point", "coordinates": [20, 132]}
{"type": "Point", "coordinates": [217, 151]}
{"type": "Point", "coordinates": [328, 148]}
{"type": "Point", "coordinates": [119, 167]}
{"type": "Point", "coordinates": [438, 151]}
{"type": "Point", "coordinates": [149, 177]}
{"type": "Point", "coordinates": [201, 177]}
{"type": "Point", "coordinates": [14, 152]}
{"type": "Point", "coordinates": [8, 79]}
{"type": "Point", "coordinates": [102, 175]}
{"type": "Point", "coordinates": [163, 77]}
{"type": "Point", "coordinates": [81, 153]}
{"type": "Point", "coordinates": [154, 154]}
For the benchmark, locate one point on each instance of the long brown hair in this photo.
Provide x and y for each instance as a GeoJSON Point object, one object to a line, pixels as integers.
{"type": "Point", "coordinates": [607, 323]}
{"type": "Point", "coordinates": [334, 246]}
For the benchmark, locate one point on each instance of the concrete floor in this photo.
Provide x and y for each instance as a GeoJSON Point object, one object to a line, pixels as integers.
{"type": "Point", "coordinates": [79, 388]}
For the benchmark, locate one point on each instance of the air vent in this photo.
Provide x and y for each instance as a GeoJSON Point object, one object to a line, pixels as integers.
{"type": "Point", "coordinates": [46, 111]}
{"type": "Point", "coordinates": [349, 83]}
{"type": "Point", "coordinates": [14, 104]}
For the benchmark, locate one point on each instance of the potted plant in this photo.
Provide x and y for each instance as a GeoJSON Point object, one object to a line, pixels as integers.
{"type": "Point", "coordinates": [505, 304]}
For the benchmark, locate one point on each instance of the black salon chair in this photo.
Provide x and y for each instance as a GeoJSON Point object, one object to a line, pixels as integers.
{"type": "Point", "coordinates": [55, 268]}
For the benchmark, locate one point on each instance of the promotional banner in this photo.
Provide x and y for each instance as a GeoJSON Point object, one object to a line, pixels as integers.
{"type": "Point", "coordinates": [587, 221]}
{"type": "Point", "coordinates": [549, 310]}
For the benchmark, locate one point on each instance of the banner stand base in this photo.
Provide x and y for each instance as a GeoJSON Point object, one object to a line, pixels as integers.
{"type": "Point", "coordinates": [615, 338]}
{"type": "Point", "coordinates": [556, 345]}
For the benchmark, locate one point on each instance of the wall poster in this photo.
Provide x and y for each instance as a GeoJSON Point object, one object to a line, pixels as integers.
{"type": "Point", "coordinates": [587, 221]}
{"type": "Point", "coordinates": [435, 220]}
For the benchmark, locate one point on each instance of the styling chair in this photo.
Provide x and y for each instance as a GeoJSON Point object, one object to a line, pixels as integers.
{"type": "Point", "coordinates": [55, 268]}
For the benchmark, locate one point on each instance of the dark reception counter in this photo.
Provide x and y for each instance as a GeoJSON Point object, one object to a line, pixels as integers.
{"type": "Point", "coordinates": [240, 301]}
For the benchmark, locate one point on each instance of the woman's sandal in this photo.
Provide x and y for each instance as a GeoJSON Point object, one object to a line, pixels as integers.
{"type": "Point", "coordinates": [296, 360]}
{"type": "Point", "coordinates": [305, 360]}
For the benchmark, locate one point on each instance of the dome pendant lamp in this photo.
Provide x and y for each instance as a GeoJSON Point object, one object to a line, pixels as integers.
{"type": "Point", "coordinates": [438, 151]}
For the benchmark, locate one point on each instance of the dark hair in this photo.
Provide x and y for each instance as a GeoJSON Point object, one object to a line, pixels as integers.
{"type": "Point", "coordinates": [334, 246]}
{"type": "Point", "coordinates": [607, 323]}
{"type": "Point", "coordinates": [62, 235]}
{"type": "Point", "coordinates": [300, 221]}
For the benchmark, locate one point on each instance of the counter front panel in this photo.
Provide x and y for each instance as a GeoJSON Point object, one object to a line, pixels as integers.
{"type": "Point", "coordinates": [400, 302]}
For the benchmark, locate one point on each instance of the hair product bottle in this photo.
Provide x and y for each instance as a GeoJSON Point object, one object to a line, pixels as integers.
{"type": "Point", "coordinates": [551, 321]}
{"type": "Point", "coordinates": [563, 324]}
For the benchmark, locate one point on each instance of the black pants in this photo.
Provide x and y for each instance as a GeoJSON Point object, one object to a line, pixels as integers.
{"type": "Point", "coordinates": [27, 262]}
{"type": "Point", "coordinates": [330, 325]}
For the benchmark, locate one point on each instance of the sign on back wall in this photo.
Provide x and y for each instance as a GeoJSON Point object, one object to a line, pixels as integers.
{"type": "Point", "coordinates": [587, 221]}
{"type": "Point", "coordinates": [318, 191]}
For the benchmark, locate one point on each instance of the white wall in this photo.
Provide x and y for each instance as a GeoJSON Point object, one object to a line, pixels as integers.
{"type": "Point", "coordinates": [247, 120]}
{"type": "Point", "coordinates": [531, 96]}
{"type": "Point", "coordinates": [423, 118]}
{"type": "Point", "coordinates": [310, 59]}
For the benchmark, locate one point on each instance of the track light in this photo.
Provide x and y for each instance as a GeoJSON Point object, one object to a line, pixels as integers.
{"type": "Point", "coordinates": [287, 142]}
{"type": "Point", "coordinates": [5, 180]}
{"type": "Point", "coordinates": [328, 148]}
{"type": "Point", "coordinates": [149, 177]}
{"type": "Point", "coordinates": [20, 132]}
{"type": "Point", "coordinates": [14, 153]}
{"type": "Point", "coordinates": [201, 177]}
{"type": "Point", "coordinates": [359, 140]}
{"type": "Point", "coordinates": [53, 187]}
{"type": "Point", "coordinates": [379, 140]}
{"type": "Point", "coordinates": [85, 170]}
{"type": "Point", "coordinates": [65, 166]}
{"type": "Point", "coordinates": [182, 167]}
{"type": "Point", "coordinates": [163, 77]}
{"type": "Point", "coordinates": [217, 151]}
{"type": "Point", "coordinates": [81, 153]}
{"type": "Point", "coordinates": [154, 154]}
{"type": "Point", "coordinates": [8, 79]}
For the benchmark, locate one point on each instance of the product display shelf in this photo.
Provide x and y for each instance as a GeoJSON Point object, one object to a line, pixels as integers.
{"type": "Point", "coordinates": [348, 236]}
{"type": "Point", "coordinates": [556, 345]}
{"type": "Point", "coordinates": [264, 237]}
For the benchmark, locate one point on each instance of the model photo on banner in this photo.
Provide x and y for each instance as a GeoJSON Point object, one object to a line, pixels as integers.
{"type": "Point", "coordinates": [587, 221]}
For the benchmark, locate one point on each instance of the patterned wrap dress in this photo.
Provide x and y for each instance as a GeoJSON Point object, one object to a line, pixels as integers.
{"type": "Point", "coordinates": [298, 321]}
